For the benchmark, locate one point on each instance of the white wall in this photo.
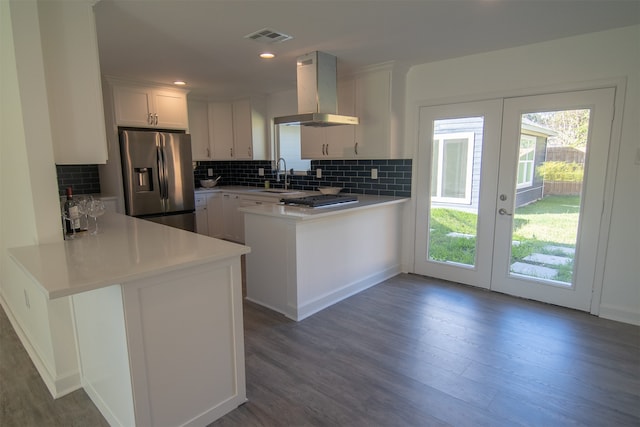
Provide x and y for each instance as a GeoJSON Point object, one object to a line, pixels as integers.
{"type": "Point", "coordinates": [586, 61]}
{"type": "Point", "coordinates": [29, 206]}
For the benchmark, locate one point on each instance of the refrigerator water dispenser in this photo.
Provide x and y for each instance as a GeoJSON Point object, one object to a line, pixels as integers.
{"type": "Point", "coordinates": [143, 181]}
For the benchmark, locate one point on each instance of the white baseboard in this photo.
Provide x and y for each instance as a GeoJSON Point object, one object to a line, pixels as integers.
{"type": "Point", "coordinates": [59, 385]}
{"type": "Point", "coordinates": [619, 314]}
{"type": "Point", "coordinates": [318, 304]}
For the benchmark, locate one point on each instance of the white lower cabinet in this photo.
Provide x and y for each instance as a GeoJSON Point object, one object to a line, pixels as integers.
{"type": "Point", "coordinates": [215, 218]}
{"type": "Point", "coordinates": [217, 213]}
{"type": "Point", "coordinates": [202, 221]}
{"type": "Point", "coordinates": [233, 228]}
{"type": "Point", "coordinates": [209, 214]}
{"type": "Point", "coordinates": [233, 220]}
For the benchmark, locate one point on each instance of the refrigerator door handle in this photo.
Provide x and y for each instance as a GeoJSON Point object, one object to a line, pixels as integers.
{"type": "Point", "coordinates": [161, 172]}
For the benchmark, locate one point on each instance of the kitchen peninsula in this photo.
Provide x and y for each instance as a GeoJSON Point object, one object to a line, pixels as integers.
{"type": "Point", "coordinates": [305, 259]}
{"type": "Point", "coordinates": [157, 317]}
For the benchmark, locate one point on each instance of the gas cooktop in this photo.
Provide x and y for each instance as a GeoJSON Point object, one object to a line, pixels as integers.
{"type": "Point", "coordinates": [320, 200]}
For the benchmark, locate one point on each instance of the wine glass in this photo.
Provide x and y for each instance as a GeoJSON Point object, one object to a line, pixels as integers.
{"type": "Point", "coordinates": [95, 208]}
{"type": "Point", "coordinates": [83, 207]}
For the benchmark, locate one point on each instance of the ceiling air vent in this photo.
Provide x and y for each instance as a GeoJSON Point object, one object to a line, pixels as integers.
{"type": "Point", "coordinates": [268, 36]}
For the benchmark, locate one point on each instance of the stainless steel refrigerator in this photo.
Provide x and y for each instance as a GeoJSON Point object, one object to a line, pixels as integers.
{"type": "Point", "coordinates": [158, 177]}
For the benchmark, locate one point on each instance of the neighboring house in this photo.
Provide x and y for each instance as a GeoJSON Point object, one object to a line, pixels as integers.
{"type": "Point", "coordinates": [456, 157]}
{"type": "Point", "coordinates": [533, 149]}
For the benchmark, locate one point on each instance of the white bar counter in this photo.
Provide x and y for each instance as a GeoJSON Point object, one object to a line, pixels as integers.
{"type": "Point", "coordinates": [303, 213]}
{"type": "Point", "coordinates": [304, 260]}
{"type": "Point", "coordinates": [157, 317]}
{"type": "Point", "coordinates": [125, 249]}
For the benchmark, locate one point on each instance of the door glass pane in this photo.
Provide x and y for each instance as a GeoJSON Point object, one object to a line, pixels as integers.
{"type": "Point", "coordinates": [454, 162]}
{"type": "Point", "coordinates": [550, 172]}
{"type": "Point", "coordinates": [455, 188]}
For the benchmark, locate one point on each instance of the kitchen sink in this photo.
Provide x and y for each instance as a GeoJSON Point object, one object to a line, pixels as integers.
{"type": "Point", "coordinates": [279, 191]}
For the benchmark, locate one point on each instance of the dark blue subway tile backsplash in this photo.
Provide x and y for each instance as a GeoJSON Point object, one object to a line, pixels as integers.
{"type": "Point", "coordinates": [84, 179]}
{"type": "Point", "coordinates": [394, 176]}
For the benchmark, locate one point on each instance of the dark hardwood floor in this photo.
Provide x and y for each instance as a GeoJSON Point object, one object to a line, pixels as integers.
{"type": "Point", "coordinates": [411, 351]}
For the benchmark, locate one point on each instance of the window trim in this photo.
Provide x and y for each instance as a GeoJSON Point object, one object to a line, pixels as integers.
{"type": "Point", "coordinates": [438, 140]}
{"type": "Point", "coordinates": [531, 163]}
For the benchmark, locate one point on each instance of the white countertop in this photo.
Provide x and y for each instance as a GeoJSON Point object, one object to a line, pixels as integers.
{"type": "Point", "coordinates": [255, 191]}
{"type": "Point", "coordinates": [125, 249]}
{"type": "Point", "coordinates": [304, 213]}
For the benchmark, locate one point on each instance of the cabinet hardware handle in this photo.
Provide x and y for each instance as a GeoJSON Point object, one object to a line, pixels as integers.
{"type": "Point", "coordinates": [156, 119]}
{"type": "Point", "coordinates": [327, 149]}
{"type": "Point", "coordinates": [356, 149]}
{"type": "Point", "coordinates": [150, 119]}
{"type": "Point", "coordinates": [208, 152]}
{"type": "Point", "coordinates": [323, 149]}
{"type": "Point", "coordinates": [231, 152]}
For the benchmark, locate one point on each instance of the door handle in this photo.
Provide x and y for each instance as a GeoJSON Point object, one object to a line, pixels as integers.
{"type": "Point", "coordinates": [503, 211]}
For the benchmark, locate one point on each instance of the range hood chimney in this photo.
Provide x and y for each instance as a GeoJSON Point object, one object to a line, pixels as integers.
{"type": "Point", "coordinates": [317, 93]}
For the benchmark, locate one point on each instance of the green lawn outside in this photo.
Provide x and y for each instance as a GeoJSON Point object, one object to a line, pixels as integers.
{"type": "Point", "coordinates": [552, 221]}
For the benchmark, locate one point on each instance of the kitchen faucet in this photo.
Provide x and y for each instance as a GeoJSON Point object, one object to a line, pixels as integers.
{"type": "Point", "coordinates": [284, 162]}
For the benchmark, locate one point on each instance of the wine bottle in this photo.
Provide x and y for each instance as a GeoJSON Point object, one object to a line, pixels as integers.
{"type": "Point", "coordinates": [71, 213]}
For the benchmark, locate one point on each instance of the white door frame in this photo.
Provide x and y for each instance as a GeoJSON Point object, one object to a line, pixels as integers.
{"type": "Point", "coordinates": [480, 273]}
{"type": "Point", "coordinates": [579, 295]}
{"type": "Point", "coordinates": [619, 84]}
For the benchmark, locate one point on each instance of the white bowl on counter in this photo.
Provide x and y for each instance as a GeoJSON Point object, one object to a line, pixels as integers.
{"type": "Point", "coordinates": [208, 183]}
{"type": "Point", "coordinates": [329, 190]}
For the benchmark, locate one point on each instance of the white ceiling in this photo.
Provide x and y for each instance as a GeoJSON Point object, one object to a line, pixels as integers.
{"type": "Point", "coordinates": [202, 42]}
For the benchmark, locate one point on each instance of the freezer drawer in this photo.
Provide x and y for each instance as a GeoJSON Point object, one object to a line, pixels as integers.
{"type": "Point", "coordinates": [184, 221]}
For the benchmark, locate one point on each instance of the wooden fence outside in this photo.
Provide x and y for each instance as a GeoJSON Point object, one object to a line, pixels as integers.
{"type": "Point", "coordinates": [562, 188]}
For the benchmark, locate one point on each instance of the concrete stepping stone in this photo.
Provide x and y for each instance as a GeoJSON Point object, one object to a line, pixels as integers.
{"type": "Point", "coordinates": [456, 234]}
{"type": "Point", "coordinates": [533, 270]}
{"type": "Point", "coordinates": [547, 259]}
{"type": "Point", "coordinates": [563, 249]}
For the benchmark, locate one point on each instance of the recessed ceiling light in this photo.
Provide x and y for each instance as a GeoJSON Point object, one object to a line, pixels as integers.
{"type": "Point", "coordinates": [179, 83]}
{"type": "Point", "coordinates": [267, 55]}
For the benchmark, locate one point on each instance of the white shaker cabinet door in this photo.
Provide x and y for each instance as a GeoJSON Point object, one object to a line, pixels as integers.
{"type": "Point", "coordinates": [140, 106]}
{"type": "Point", "coordinates": [221, 130]}
{"type": "Point", "coordinates": [215, 216]}
{"type": "Point", "coordinates": [199, 130]}
{"type": "Point", "coordinates": [373, 108]}
{"type": "Point", "coordinates": [171, 109]}
{"type": "Point", "coordinates": [132, 106]}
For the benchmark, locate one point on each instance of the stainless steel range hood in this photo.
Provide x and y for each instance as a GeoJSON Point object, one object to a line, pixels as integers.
{"type": "Point", "coordinates": [317, 93]}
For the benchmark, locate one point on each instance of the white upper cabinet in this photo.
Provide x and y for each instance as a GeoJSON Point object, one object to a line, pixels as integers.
{"type": "Point", "coordinates": [368, 97]}
{"type": "Point", "coordinates": [150, 107]}
{"type": "Point", "coordinates": [332, 142]}
{"type": "Point", "coordinates": [221, 130]}
{"type": "Point", "coordinates": [72, 73]}
{"type": "Point", "coordinates": [250, 129]}
{"type": "Point", "coordinates": [242, 130]}
{"type": "Point", "coordinates": [373, 108]}
{"type": "Point", "coordinates": [199, 130]}
{"type": "Point", "coordinates": [237, 131]}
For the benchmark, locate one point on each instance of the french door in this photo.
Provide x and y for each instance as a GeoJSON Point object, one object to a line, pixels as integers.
{"type": "Point", "coordinates": [510, 193]}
